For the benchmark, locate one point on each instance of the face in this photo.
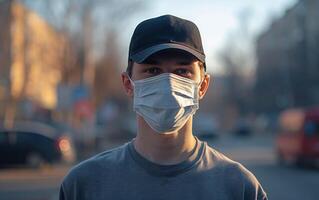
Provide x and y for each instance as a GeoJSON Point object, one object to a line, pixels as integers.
{"type": "Point", "coordinates": [176, 62]}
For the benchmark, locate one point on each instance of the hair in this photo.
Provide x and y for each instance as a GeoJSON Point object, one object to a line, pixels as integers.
{"type": "Point", "coordinates": [129, 68]}
{"type": "Point", "coordinates": [130, 64]}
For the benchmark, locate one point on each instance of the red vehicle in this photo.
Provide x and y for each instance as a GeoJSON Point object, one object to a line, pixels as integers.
{"type": "Point", "coordinates": [298, 139]}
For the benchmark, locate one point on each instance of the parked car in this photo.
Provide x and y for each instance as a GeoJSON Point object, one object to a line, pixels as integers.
{"type": "Point", "coordinates": [298, 139]}
{"type": "Point", "coordinates": [205, 126]}
{"type": "Point", "coordinates": [34, 144]}
{"type": "Point", "coordinates": [242, 128]}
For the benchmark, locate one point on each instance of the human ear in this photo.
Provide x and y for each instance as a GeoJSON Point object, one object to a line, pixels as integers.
{"type": "Point", "coordinates": [128, 87]}
{"type": "Point", "coordinates": [204, 86]}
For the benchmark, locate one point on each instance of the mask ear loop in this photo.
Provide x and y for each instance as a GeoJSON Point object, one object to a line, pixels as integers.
{"type": "Point", "coordinates": [132, 82]}
{"type": "Point", "coordinates": [200, 83]}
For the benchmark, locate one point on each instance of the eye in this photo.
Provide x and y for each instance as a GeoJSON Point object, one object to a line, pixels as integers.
{"type": "Point", "coordinates": [153, 70]}
{"type": "Point", "coordinates": [183, 72]}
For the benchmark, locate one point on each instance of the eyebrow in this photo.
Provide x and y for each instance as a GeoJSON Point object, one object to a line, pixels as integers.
{"type": "Point", "coordinates": [150, 61]}
{"type": "Point", "coordinates": [185, 61]}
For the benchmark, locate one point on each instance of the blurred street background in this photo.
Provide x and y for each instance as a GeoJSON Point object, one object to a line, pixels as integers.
{"type": "Point", "coordinates": [256, 153]}
{"type": "Point", "coordinates": [61, 92]}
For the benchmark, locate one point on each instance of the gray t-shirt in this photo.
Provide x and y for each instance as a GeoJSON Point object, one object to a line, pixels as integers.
{"type": "Point", "coordinates": [122, 173]}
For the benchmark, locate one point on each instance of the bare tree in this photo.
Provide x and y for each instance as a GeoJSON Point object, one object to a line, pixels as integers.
{"type": "Point", "coordinates": [82, 22]}
{"type": "Point", "coordinates": [238, 59]}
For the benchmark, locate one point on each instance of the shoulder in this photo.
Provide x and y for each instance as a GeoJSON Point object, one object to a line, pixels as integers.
{"type": "Point", "coordinates": [92, 167]}
{"type": "Point", "coordinates": [218, 160]}
{"type": "Point", "coordinates": [236, 176]}
{"type": "Point", "coordinates": [87, 175]}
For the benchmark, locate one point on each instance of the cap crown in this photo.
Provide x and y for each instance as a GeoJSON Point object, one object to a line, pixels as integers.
{"type": "Point", "coordinates": [166, 29]}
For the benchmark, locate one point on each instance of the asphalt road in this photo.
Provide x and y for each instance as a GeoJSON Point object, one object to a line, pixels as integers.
{"type": "Point", "coordinates": [255, 153]}
{"type": "Point", "coordinates": [29, 184]}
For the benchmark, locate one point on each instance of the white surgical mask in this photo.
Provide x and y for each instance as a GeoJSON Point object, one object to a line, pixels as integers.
{"type": "Point", "coordinates": [166, 101]}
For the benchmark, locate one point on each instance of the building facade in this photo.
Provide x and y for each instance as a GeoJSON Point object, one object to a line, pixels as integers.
{"type": "Point", "coordinates": [31, 53]}
{"type": "Point", "coordinates": [287, 60]}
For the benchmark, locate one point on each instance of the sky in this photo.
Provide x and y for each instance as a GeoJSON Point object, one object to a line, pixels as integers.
{"type": "Point", "coordinates": [216, 19]}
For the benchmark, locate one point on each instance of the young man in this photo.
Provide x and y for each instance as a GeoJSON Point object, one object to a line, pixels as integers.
{"type": "Point", "coordinates": [166, 79]}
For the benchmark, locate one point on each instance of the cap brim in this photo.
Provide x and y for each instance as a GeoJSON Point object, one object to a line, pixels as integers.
{"type": "Point", "coordinates": [143, 55]}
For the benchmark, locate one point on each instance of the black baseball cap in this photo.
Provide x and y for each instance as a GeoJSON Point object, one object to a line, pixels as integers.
{"type": "Point", "coordinates": [165, 32]}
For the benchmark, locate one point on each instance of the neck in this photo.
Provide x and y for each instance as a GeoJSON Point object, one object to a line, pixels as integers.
{"type": "Point", "coordinates": [164, 149]}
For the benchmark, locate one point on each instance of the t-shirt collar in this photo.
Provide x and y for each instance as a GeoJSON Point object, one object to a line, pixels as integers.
{"type": "Point", "coordinates": [168, 170]}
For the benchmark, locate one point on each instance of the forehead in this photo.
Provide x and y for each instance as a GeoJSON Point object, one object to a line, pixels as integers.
{"type": "Point", "coordinates": [171, 55]}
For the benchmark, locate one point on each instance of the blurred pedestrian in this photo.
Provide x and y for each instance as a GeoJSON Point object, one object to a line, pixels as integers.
{"type": "Point", "coordinates": [166, 77]}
